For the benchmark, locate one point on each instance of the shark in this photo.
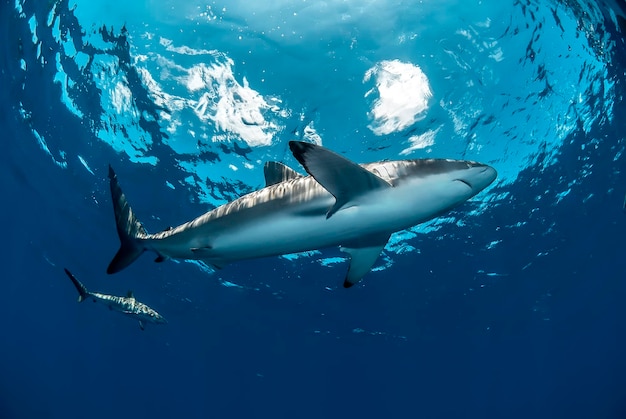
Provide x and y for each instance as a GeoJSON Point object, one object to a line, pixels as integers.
{"type": "Point", "coordinates": [338, 203]}
{"type": "Point", "coordinates": [127, 305]}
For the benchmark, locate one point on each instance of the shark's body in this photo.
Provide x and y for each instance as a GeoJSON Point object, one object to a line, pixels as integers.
{"type": "Point", "coordinates": [126, 305]}
{"type": "Point", "coordinates": [341, 203]}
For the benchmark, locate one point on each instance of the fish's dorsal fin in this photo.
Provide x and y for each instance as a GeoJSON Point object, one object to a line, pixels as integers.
{"type": "Point", "coordinates": [363, 255]}
{"type": "Point", "coordinates": [276, 172]}
{"type": "Point", "coordinates": [344, 179]}
{"type": "Point", "coordinates": [129, 294]}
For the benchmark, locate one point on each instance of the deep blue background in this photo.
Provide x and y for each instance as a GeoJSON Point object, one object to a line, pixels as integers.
{"type": "Point", "coordinates": [546, 340]}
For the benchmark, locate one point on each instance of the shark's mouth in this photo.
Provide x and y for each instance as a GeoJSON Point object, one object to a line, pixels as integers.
{"type": "Point", "coordinates": [465, 182]}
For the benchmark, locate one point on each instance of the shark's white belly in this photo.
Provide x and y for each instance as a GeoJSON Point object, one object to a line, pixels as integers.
{"type": "Point", "coordinates": [290, 233]}
{"type": "Point", "coordinates": [302, 227]}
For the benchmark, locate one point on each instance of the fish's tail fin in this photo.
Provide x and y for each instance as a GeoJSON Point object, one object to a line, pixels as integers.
{"type": "Point", "coordinates": [82, 291]}
{"type": "Point", "coordinates": [129, 229]}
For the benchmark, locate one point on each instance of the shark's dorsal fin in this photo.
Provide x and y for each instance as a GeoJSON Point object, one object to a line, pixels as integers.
{"type": "Point", "coordinates": [276, 172]}
{"type": "Point", "coordinates": [344, 179]}
{"type": "Point", "coordinates": [363, 255]}
{"type": "Point", "coordinates": [129, 294]}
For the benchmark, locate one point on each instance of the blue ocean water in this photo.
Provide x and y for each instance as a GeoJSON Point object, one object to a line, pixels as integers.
{"type": "Point", "coordinates": [509, 306]}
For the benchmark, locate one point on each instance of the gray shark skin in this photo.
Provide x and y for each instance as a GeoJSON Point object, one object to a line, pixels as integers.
{"type": "Point", "coordinates": [340, 203]}
{"type": "Point", "coordinates": [126, 305]}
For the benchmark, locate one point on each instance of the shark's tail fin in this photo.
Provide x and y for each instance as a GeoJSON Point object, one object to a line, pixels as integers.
{"type": "Point", "coordinates": [82, 291]}
{"type": "Point", "coordinates": [129, 229]}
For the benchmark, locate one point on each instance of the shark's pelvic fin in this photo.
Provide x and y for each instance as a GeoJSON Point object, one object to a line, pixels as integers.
{"type": "Point", "coordinates": [362, 258]}
{"type": "Point", "coordinates": [160, 258]}
{"type": "Point", "coordinates": [82, 291]}
{"type": "Point", "coordinates": [344, 179]}
{"type": "Point", "coordinates": [129, 229]}
{"type": "Point", "coordinates": [276, 172]}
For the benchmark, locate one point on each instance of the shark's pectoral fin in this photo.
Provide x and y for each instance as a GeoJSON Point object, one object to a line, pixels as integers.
{"type": "Point", "coordinates": [276, 172]}
{"type": "Point", "coordinates": [363, 255]}
{"type": "Point", "coordinates": [141, 325]}
{"type": "Point", "coordinates": [344, 179]}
